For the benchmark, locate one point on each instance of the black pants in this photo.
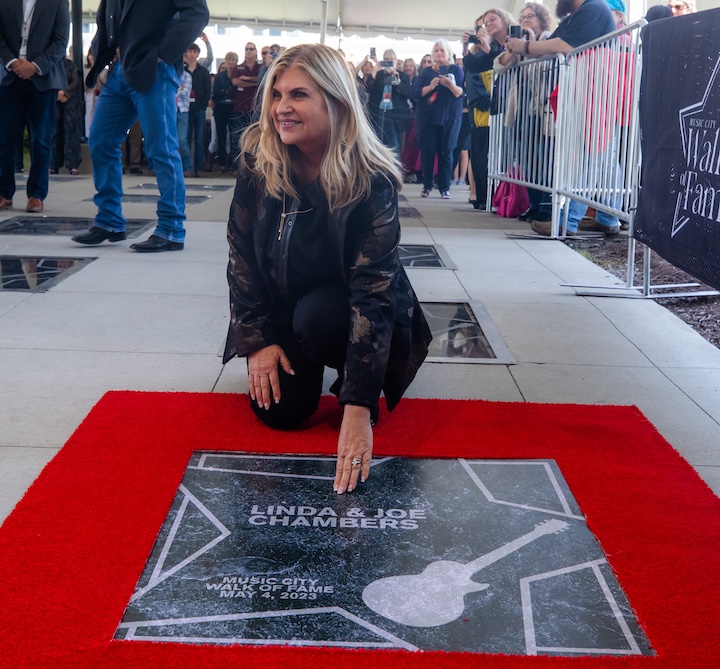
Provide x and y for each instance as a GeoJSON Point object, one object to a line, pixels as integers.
{"type": "Point", "coordinates": [318, 338]}
{"type": "Point", "coordinates": [21, 102]}
{"type": "Point", "coordinates": [479, 147]}
{"type": "Point", "coordinates": [221, 112]}
{"type": "Point", "coordinates": [67, 132]}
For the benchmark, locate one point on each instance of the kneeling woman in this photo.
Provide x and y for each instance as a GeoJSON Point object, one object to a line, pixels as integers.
{"type": "Point", "coordinates": [314, 274]}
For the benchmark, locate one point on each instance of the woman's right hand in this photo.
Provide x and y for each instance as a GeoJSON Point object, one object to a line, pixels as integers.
{"type": "Point", "coordinates": [263, 376]}
{"type": "Point", "coordinates": [484, 42]}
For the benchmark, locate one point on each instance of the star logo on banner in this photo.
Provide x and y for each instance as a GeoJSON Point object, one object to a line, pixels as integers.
{"type": "Point", "coordinates": [700, 191]}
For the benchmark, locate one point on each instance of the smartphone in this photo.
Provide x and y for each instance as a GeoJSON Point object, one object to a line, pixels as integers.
{"type": "Point", "coordinates": [515, 31]}
{"type": "Point", "coordinates": [443, 70]}
{"type": "Point", "coordinates": [372, 52]}
{"type": "Point", "coordinates": [473, 39]}
{"type": "Point", "coordinates": [387, 63]}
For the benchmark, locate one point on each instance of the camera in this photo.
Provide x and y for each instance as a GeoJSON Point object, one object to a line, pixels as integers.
{"type": "Point", "coordinates": [473, 39]}
{"type": "Point", "coordinates": [515, 31]}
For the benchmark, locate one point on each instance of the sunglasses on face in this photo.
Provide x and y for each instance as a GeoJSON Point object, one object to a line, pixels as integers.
{"type": "Point", "coordinates": [677, 8]}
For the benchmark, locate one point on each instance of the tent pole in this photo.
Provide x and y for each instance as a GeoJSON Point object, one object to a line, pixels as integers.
{"type": "Point", "coordinates": [77, 42]}
{"type": "Point", "coordinates": [323, 21]}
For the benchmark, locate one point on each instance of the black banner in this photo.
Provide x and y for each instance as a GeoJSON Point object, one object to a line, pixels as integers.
{"type": "Point", "coordinates": [679, 201]}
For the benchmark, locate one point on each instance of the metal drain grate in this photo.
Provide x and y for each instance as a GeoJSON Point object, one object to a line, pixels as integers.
{"type": "Point", "coordinates": [62, 225]}
{"type": "Point", "coordinates": [464, 332]}
{"type": "Point", "coordinates": [408, 212]}
{"type": "Point", "coordinates": [425, 256]}
{"type": "Point", "coordinates": [132, 198]}
{"type": "Point", "coordinates": [37, 274]}
{"type": "Point", "coordinates": [216, 188]}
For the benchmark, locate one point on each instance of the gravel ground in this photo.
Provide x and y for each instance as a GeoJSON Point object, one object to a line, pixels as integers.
{"type": "Point", "coordinates": [701, 313]}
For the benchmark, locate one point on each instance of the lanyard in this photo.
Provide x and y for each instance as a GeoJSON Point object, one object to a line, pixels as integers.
{"type": "Point", "coordinates": [29, 10]}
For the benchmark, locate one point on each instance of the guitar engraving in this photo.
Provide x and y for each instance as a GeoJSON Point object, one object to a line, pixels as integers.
{"type": "Point", "coordinates": [437, 595]}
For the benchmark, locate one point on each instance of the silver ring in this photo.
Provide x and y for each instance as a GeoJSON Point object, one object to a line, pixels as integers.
{"type": "Point", "coordinates": [356, 462]}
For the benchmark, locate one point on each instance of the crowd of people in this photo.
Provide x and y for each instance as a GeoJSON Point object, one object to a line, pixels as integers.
{"type": "Point", "coordinates": [436, 114]}
{"type": "Point", "coordinates": [433, 114]}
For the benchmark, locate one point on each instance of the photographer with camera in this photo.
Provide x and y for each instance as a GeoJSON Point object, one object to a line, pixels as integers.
{"type": "Point", "coordinates": [480, 48]}
{"type": "Point", "coordinates": [488, 40]}
{"type": "Point", "coordinates": [389, 92]}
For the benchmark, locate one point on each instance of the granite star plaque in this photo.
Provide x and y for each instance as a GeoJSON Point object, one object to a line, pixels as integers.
{"type": "Point", "coordinates": [487, 556]}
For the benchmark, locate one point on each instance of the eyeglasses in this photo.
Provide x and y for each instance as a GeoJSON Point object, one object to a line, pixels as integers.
{"type": "Point", "coordinates": [678, 8]}
{"type": "Point", "coordinates": [527, 17]}
{"type": "Point", "coordinates": [478, 29]}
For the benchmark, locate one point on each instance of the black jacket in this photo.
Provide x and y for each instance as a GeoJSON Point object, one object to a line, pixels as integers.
{"type": "Point", "coordinates": [222, 88]}
{"type": "Point", "coordinates": [47, 41]}
{"type": "Point", "coordinates": [481, 61]}
{"type": "Point", "coordinates": [392, 335]}
{"type": "Point", "coordinates": [201, 87]}
{"type": "Point", "coordinates": [149, 29]}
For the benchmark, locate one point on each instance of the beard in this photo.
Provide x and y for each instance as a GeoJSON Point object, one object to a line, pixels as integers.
{"type": "Point", "coordinates": [564, 7]}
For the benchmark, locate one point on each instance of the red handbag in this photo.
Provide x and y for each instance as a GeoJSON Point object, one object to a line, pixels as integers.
{"type": "Point", "coordinates": [510, 200]}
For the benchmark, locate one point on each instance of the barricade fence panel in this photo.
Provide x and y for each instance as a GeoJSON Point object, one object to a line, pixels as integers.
{"type": "Point", "coordinates": [568, 125]}
{"type": "Point", "coordinates": [522, 129]}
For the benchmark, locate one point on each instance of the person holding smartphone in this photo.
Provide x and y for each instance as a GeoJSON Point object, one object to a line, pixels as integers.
{"type": "Point", "coordinates": [536, 25]}
{"type": "Point", "coordinates": [491, 31]}
{"type": "Point", "coordinates": [480, 48]}
{"type": "Point", "coordinates": [389, 92]}
{"type": "Point", "coordinates": [439, 94]}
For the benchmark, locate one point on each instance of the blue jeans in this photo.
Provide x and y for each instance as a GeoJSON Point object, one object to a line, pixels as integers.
{"type": "Point", "coordinates": [117, 108]}
{"type": "Point", "coordinates": [386, 129]}
{"type": "Point", "coordinates": [576, 210]}
{"type": "Point", "coordinates": [196, 126]}
{"type": "Point", "coordinates": [21, 101]}
{"type": "Point", "coordinates": [183, 119]}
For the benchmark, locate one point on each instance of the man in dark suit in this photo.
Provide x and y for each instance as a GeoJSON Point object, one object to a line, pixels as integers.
{"type": "Point", "coordinates": [33, 38]}
{"type": "Point", "coordinates": [143, 41]}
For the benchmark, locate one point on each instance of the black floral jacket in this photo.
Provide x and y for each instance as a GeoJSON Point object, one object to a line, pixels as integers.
{"type": "Point", "coordinates": [388, 335]}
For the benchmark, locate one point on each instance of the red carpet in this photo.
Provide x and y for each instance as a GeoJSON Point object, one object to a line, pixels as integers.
{"type": "Point", "coordinates": [72, 551]}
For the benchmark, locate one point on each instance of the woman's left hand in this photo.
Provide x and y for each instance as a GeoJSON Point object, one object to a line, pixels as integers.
{"type": "Point", "coordinates": [263, 377]}
{"type": "Point", "coordinates": [355, 444]}
{"type": "Point", "coordinates": [515, 45]}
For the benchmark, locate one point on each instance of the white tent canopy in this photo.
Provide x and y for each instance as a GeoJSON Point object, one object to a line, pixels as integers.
{"type": "Point", "coordinates": [419, 18]}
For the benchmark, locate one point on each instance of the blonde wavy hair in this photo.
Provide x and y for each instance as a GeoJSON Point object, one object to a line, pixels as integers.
{"type": "Point", "coordinates": [354, 153]}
